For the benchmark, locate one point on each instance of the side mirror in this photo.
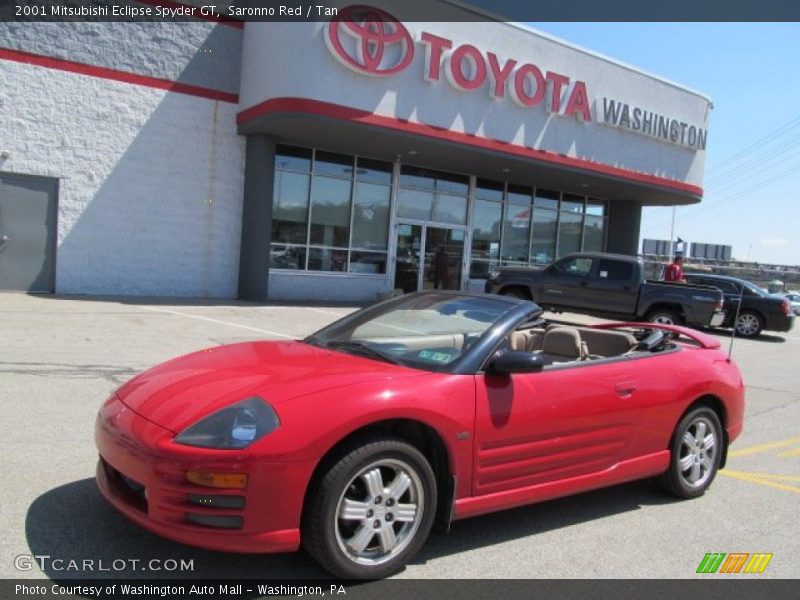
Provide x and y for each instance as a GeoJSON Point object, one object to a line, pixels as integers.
{"type": "Point", "coordinates": [507, 362]}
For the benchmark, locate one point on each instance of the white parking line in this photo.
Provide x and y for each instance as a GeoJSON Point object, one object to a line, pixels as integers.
{"type": "Point", "coordinates": [249, 308]}
{"type": "Point", "coordinates": [311, 308]}
{"type": "Point", "coordinates": [180, 314]}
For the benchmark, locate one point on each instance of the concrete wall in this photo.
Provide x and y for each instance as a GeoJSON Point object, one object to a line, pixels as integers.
{"type": "Point", "coordinates": [310, 70]}
{"type": "Point", "coordinates": [150, 181]}
{"type": "Point", "coordinates": [196, 53]}
{"type": "Point", "coordinates": [339, 287]}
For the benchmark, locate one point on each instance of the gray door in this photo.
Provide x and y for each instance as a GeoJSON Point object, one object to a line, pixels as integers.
{"type": "Point", "coordinates": [564, 282]}
{"type": "Point", "coordinates": [613, 286]}
{"type": "Point", "coordinates": [27, 232]}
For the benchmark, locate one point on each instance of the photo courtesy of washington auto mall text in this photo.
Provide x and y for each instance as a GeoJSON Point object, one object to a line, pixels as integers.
{"type": "Point", "coordinates": [170, 590]}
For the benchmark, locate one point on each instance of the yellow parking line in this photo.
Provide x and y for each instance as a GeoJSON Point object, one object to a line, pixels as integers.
{"type": "Point", "coordinates": [770, 476]}
{"type": "Point", "coordinates": [764, 447]}
{"type": "Point", "coordinates": [789, 453]}
{"type": "Point", "coordinates": [761, 480]}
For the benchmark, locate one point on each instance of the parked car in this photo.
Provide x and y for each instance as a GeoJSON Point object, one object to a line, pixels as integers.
{"type": "Point", "coordinates": [428, 407]}
{"type": "Point", "coordinates": [612, 286]}
{"type": "Point", "coordinates": [759, 310]}
{"type": "Point", "coordinates": [794, 299]}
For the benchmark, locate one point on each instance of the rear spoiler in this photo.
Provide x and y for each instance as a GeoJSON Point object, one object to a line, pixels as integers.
{"type": "Point", "coordinates": [703, 340]}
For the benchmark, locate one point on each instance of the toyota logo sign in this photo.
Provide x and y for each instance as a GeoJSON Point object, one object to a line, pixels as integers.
{"type": "Point", "coordinates": [370, 41]}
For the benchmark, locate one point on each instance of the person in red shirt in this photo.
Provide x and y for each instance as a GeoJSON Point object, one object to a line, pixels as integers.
{"type": "Point", "coordinates": [674, 271]}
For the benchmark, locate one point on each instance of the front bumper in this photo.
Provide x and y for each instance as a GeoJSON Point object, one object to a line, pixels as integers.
{"type": "Point", "coordinates": [142, 473]}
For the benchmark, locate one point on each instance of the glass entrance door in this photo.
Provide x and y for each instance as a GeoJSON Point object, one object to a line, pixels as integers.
{"type": "Point", "coordinates": [428, 257]}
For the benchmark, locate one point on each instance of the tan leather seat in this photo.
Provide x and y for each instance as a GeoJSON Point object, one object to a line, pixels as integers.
{"type": "Point", "coordinates": [527, 340]}
{"type": "Point", "coordinates": [601, 343]}
{"type": "Point", "coordinates": [562, 344]}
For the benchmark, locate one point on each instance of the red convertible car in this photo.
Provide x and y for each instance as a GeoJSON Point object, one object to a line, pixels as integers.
{"type": "Point", "coordinates": [429, 407]}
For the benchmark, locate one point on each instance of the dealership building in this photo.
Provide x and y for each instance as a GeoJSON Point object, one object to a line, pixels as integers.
{"type": "Point", "coordinates": [335, 160]}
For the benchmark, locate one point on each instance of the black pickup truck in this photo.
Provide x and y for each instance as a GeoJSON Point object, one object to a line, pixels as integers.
{"type": "Point", "coordinates": [612, 286]}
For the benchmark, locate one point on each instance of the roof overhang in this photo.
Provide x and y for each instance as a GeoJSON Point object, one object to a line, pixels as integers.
{"type": "Point", "coordinates": [348, 130]}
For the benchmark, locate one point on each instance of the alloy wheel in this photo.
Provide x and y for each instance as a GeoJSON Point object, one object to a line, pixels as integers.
{"type": "Point", "coordinates": [748, 325]}
{"type": "Point", "coordinates": [698, 452]}
{"type": "Point", "coordinates": [379, 512]}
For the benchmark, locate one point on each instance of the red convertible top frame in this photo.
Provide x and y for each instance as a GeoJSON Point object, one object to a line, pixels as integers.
{"type": "Point", "coordinates": [704, 341]}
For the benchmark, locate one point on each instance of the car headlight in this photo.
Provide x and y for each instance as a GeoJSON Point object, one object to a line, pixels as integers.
{"type": "Point", "coordinates": [233, 427]}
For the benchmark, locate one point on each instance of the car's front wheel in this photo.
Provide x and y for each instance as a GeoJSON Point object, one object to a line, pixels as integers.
{"type": "Point", "coordinates": [372, 511]}
{"type": "Point", "coordinates": [696, 451]}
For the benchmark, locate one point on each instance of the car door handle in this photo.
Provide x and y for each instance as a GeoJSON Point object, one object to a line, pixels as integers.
{"type": "Point", "coordinates": [625, 390]}
{"type": "Point", "coordinates": [553, 291]}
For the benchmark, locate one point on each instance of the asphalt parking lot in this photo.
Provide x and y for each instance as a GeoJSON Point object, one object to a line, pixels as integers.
{"type": "Point", "coordinates": [62, 356]}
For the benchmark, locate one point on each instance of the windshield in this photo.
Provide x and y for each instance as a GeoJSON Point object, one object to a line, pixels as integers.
{"type": "Point", "coordinates": [428, 331]}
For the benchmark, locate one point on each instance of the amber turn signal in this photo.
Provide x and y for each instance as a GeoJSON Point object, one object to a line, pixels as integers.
{"type": "Point", "coordinates": [217, 480]}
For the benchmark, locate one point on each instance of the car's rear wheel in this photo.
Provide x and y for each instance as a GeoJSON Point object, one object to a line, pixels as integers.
{"type": "Point", "coordinates": [664, 316]}
{"type": "Point", "coordinates": [749, 324]}
{"type": "Point", "coordinates": [515, 292]}
{"type": "Point", "coordinates": [696, 451]}
{"type": "Point", "coordinates": [373, 510]}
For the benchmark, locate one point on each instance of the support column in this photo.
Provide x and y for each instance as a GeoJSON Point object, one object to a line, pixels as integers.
{"type": "Point", "coordinates": [259, 178]}
{"type": "Point", "coordinates": [624, 222]}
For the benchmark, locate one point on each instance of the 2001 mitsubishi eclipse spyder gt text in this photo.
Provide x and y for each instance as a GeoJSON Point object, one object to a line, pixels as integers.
{"type": "Point", "coordinates": [421, 409]}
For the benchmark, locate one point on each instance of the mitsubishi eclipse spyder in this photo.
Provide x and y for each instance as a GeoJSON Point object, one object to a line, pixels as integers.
{"type": "Point", "coordinates": [356, 441]}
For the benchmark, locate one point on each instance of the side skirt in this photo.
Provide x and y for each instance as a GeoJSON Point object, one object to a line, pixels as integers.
{"type": "Point", "coordinates": [629, 470]}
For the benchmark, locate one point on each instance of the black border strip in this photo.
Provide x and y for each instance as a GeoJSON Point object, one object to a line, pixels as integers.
{"type": "Point", "coordinates": [413, 10]}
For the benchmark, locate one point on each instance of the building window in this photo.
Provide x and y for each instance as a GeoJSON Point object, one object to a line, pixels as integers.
{"type": "Point", "coordinates": [426, 195]}
{"type": "Point", "coordinates": [595, 226]}
{"type": "Point", "coordinates": [487, 221]}
{"type": "Point", "coordinates": [531, 226]}
{"type": "Point", "coordinates": [516, 225]}
{"type": "Point", "coordinates": [330, 212]}
{"type": "Point", "coordinates": [570, 224]}
{"type": "Point", "coordinates": [545, 227]}
{"type": "Point", "coordinates": [290, 208]}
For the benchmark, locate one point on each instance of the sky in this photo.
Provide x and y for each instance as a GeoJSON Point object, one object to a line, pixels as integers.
{"type": "Point", "coordinates": [751, 72]}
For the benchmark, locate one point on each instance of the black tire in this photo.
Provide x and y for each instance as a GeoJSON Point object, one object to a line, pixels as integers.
{"type": "Point", "coordinates": [695, 454]}
{"type": "Point", "coordinates": [664, 316]}
{"type": "Point", "coordinates": [749, 324]}
{"type": "Point", "coordinates": [334, 541]}
{"type": "Point", "coordinates": [515, 292]}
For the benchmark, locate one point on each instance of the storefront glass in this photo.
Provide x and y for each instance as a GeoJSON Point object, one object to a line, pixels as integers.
{"type": "Point", "coordinates": [570, 224]}
{"type": "Point", "coordinates": [331, 212]}
{"type": "Point", "coordinates": [516, 225]}
{"type": "Point", "coordinates": [545, 227]}
{"type": "Point", "coordinates": [594, 227]}
{"type": "Point", "coordinates": [487, 221]}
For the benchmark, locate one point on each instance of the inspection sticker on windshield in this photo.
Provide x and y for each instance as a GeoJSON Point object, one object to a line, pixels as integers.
{"type": "Point", "coordinates": [434, 356]}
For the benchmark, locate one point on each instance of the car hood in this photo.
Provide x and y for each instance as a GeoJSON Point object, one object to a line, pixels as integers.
{"type": "Point", "coordinates": [179, 392]}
